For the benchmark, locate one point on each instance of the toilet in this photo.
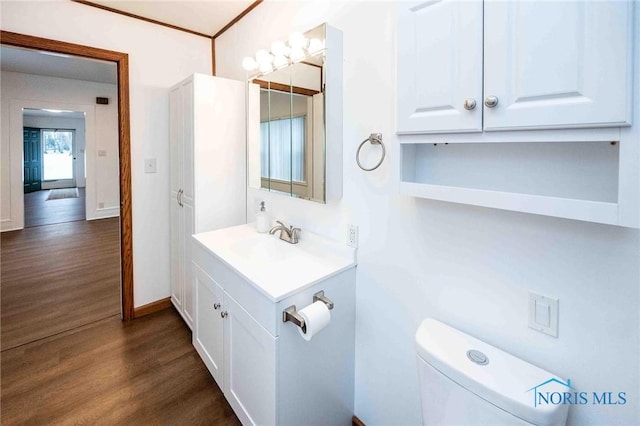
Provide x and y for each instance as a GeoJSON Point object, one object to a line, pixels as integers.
{"type": "Point", "coordinates": [464, 381]}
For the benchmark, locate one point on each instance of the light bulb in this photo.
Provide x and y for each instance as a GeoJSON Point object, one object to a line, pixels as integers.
{"type": "Point", "coordinates": [262, 56]}
{"type": "Point", "coordinates": [297, 54]}
{"type": "Point", "coordinates": [249, 63]}
{"type": "Point", "coordinates": [298, 41]}
{"type": "Point", "coordinates": [278, 48]}
{"type": "Point", "coordinates": [280, 61]}
{"type": "Point", "coordinates": [266, 67]}
{"type": "Point", "coordinates": [315, 46]}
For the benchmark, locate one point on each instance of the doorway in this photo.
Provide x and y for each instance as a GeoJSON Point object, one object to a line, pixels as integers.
{"type": "Point", "coordinates": [124, 160]}
{"type": "Point", "coordinates": [58, 158]}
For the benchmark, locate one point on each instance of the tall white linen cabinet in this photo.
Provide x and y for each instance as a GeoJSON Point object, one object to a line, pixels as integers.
{"type": "Point", "coordinates": [208, 170]}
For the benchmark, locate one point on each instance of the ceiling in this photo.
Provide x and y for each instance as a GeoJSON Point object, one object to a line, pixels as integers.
{"type": "Point", "coordinates": [204, 16]}
{"type": "Point", "coordinates": [30, 61]}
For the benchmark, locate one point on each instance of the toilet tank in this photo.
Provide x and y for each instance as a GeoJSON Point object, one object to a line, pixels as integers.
{"type": "Point", "coordinates": [464, 381]}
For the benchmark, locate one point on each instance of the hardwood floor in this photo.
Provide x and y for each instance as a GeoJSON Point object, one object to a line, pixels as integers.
{"type": "Point", "coordinates": [138, 373]}
{"type": "Point", "coordinates": [58, 277]}
{"type": "Point", "coordinates": [40, 211]}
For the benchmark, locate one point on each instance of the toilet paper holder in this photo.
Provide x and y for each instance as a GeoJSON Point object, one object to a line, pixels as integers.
{"type": "Point", "coordinates": [291, 314]}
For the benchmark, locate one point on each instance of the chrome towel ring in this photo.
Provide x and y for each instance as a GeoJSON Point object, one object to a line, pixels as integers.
{"type": "Point", "coordinates": [375, 139]}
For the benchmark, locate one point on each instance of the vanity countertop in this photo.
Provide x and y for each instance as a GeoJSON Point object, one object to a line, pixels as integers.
{"type": "Point", "coordinates": [276, 268]}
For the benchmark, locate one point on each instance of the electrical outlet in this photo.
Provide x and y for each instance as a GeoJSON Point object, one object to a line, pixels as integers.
{"type": "Point", "coordinates": [352, 236]}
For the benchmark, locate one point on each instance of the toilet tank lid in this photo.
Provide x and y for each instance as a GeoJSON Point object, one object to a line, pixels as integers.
{"type": "Point", "coordinates": [505, 381]}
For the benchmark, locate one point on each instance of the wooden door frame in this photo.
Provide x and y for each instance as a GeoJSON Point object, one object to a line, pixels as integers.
{"type": "Point", "coordinates": [122, 62]}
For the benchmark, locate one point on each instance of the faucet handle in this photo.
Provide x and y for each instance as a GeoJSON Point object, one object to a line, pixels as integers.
{"type": "Point", "coordinates": [295, 233]}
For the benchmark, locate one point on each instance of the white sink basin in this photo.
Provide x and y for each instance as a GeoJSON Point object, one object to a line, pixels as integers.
{"type": "Point", "coordinates": [275, 267]}
{"type": "Point", "coordinates": [262, 249]}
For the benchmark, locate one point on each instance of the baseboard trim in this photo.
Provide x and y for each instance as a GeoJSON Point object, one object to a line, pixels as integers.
{"type": "Point", "coordinates": [355, 421]}
{"type": "Point", "coordinates": [103, 213]}
{"type": "Point", "coordinates": [152, 307]}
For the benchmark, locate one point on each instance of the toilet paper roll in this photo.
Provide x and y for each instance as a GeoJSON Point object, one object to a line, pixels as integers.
{"type": "Point", "coordinates": [316, 317]}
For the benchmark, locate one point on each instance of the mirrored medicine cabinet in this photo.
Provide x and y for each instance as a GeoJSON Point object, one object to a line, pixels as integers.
{"type": "Point", "coordinates": [294, 117]}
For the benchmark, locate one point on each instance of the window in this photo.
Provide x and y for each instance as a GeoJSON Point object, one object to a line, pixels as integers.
{"type": "Point", "coordinates": [282, 143]}
{"type": "Point", "coordinates": [58, 154]}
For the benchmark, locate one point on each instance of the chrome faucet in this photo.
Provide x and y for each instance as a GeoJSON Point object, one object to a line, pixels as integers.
{"type": "Point", "coordinates": [289, 235]}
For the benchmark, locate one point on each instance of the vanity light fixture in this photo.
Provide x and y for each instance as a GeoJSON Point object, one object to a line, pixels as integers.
{"type": "Point", "coordinates": [282, 54]}
{"type": "Point", "coordinates": [297, 54]}
{"type": "Point", "coordinates": [315, 46]}
{"type": "Point", "coordinates": [280, 61]}
{"type": "Point", "coordinates": [278, 48]}
{"type": "Point", "coordinates": [264, 57]}
{"type": "Point", "coordinates": [266, 67]}
{"type": "Point", "coordinates": [297, 40]}
{"type": "Point", "coordinates": [249, 63]}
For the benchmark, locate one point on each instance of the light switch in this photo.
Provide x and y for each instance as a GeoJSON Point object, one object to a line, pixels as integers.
{"type": "Point", "coordinates": [102, 153]}
{"type": "Point", "coordinates": [543, 314]}
{"type": "Point", "coordinates": [149, 165]}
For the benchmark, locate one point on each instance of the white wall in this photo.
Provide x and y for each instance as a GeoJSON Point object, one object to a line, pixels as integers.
{"type": "Point", "coordinates": [76, 124]}
{"type": "Point", "coordinates": [470, 267]}
{"type": "Point", "coordinates": [158, 58]}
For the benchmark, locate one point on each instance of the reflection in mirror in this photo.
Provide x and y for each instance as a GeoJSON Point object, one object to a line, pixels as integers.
{"type": "Point", "coordinates": [286, 133]}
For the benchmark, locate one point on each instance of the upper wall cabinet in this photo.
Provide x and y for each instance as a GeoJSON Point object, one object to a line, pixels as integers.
{"type": "Point", "coordinates": [513, 65]}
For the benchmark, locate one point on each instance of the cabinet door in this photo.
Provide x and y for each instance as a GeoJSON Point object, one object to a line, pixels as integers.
{"type": "Point", "coordinates": [557, 64]}
{"type": "Point", "coordinates": [187, 200]}
{"type": "Point", "coordinates": [177, 247]}
{"type": "Point", "coordinates": [249, 366]}
{"type": "Point", "coordinates": [208, 330]}
{"type": "Point", "coordinates": [176, 125]}
{"type": "Point", "coordinates": [177, 254]}
{"type": "Point", "coordinates": [439, 66]}
{"type": "Point", "coordinates": [187, 146]}
{"type": "Point", "coordinates": [187, 277]}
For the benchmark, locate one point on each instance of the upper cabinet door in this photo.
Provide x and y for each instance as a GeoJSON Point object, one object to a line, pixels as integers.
{"type": "Point", "coordinates": [558, 64]}
{"type": "Point", "coordinates": [439, 66]}
{"type": "Point", "coordinates": [187, 146]}
{"type": "Point", "coordinates": [175, 139]}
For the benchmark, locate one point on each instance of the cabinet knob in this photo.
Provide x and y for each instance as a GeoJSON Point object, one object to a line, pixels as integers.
{"type": "Point", "coordinates": [469, 104]}
{"type": "Point", "coordinates": [491, 101]}
{"type": "Point", "coordinates": [216, 305]}
{"type": "Point", "coordinates": [224, 314]}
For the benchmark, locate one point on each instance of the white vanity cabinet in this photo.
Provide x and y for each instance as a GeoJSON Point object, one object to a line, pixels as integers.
{"type": "Point", "coordinates": [513, 65]}
{"type": "Point", "coordinates": [207, 141]}
{"type": "Point", "coordinates": [268, 373]}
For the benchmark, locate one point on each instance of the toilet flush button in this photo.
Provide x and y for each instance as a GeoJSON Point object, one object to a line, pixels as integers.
{"type": "Point", "coordinates": [477, 357]}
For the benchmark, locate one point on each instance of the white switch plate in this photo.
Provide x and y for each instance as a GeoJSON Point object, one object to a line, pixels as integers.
{"type": "Point", "coordinates": [149, 165]}
{"type": "Point", "coordinates": [543, 314]}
